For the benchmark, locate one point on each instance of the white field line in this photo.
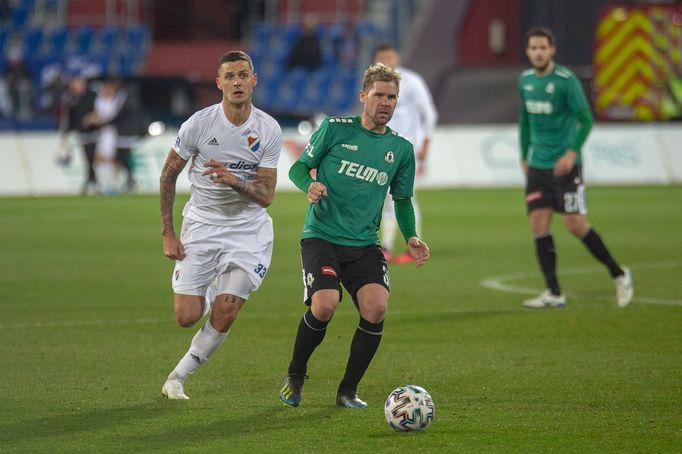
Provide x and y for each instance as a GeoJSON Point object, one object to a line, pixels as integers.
{"type": "Point", "coordinates": [504, 283]}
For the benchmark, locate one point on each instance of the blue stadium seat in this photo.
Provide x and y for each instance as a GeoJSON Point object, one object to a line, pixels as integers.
{"type": "Point", "coordinates": [108, 38]}
{"type": "Point", "coordinates": [83, 40]}
{"type": "Point", "coordinates": [19, 17]}
{"type": "Point", "coordinates": [137, 37]}
{"type": "Point", "coordinates": [33, 41]}
{"type": "Point", "coordinates": [57, 41]}
{"type": "Point", "coordinates": [367, 28]}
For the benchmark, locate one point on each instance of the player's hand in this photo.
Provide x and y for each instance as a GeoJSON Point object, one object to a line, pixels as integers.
{"type": "Point", "coordinates": [173, 248]}
{"type": "Point", "coordinates": [524, 167]}
{"type": "Point", "coordinates": [316, 191]}
{"type": "Point", "coordinates": [418, 250]}
{"type": "Point", "coordinates": [565, 163]}
{"type": "Point", "coordinates": [219, 173]}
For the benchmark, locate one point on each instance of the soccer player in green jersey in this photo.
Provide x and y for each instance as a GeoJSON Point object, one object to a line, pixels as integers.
{"type": "Point", "coordinates": [357, 159]}
{"type": "Point", "coordinates": [554, 122]}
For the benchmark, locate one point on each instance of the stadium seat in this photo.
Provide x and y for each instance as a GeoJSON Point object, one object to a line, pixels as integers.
{"type": "Point", "coordinates": [108, 38]}
{"type": "Point", "coordinates": [33, 41]}
{"type": "Point", "coordinates": [83, 39]}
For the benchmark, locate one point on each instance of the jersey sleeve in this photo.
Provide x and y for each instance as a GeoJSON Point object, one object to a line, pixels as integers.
{"type": "Point", "coordinates": [575, 96]}
{"type": "Point", "coordinates": [318, 146]}
{"type": "Point", "coordinates": [186, 143]}
{"type": "Point", "coordinates": [402, 185]}
{"type": "Point", "coordinates": [524, 124]}
{"type": "Point", "coordinates": [273, 148]}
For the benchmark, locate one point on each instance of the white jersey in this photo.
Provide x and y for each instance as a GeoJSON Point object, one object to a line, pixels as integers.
{"type": "Point", "coordinates": [208, 134]}
{"type": "Point", "coordinates": [415, 115]}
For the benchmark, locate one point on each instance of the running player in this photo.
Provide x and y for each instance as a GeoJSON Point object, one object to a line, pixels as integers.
{"type": "Point", "coordinates": [226, 238]}
{"type": "Point", "coordinates": [358, 159]}
{"type": "Point", "coordinates": [554, 122]}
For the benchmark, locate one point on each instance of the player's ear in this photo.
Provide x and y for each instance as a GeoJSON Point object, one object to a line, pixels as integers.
{"type": "Point", "coordinates": [362, 96]}
{"type": "Point", "coordinates": [255, 79]}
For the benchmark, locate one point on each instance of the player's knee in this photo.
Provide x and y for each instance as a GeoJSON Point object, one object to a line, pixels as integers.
{"type": "Point", "coordinates": [324, 304]}
{"type": "Point", "coordinates": [576, 226]}
{"type": "Point", "coordinates": [375, 313]}
{"type": "Point", "coordinates": [186, 320]}
{"type": "Point", "coordinates": [225, 311]}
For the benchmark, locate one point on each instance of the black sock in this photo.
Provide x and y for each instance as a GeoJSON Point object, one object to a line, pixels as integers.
{"type": "Point", "coordinates": [596, 246]}
{"type": "Point", "coordinates": [362, 349]}
{"type": "Point", "coordinates": [546, 255]}
{"type": "Point", "coordinates": [310, 333]}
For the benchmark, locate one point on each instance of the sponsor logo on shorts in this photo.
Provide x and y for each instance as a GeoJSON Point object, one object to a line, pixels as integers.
{"type": "Point", "coordinates": [309, 279]}
{"type": "Point", "coordinates": [177, 274]}
{"type": "Point", "coordinates": [533, 196]}
{"type": "Point", "coordinates": [328, 271]}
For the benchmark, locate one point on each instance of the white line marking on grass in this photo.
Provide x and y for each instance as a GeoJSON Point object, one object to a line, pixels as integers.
{"type": "Point", "coordinates": [504, 283]}
{"type": "Point", "coordinates": [79, 323]}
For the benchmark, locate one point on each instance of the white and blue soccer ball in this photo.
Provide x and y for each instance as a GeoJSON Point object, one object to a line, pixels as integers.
{"type": "Point", "coordinates": [409, 408]}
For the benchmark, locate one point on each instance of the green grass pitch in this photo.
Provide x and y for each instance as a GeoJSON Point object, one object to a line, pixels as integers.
{"type": "Point", "coordinates": [88, 336]}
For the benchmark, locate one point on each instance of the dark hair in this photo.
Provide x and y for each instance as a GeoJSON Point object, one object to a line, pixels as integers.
{"type": "Point", "coordinates": [540, 31]}
{"type": "Point", "coordinates": [235, 55]}
{"type": "Point", "coordinates": [383, 47]}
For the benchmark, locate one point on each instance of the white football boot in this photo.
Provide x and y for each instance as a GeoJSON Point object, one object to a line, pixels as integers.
{"type": "Point", "coordinates": [624, 288]}
{"type": "Point", "coordinates": [173, 389]}
{"type": "Point", "coordinates": [546, 300]}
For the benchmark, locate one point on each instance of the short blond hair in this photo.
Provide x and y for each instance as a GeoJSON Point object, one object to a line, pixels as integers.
{"type": "Point", "coordinates": [378, 72]}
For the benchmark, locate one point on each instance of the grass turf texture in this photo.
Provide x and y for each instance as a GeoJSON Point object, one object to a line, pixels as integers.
{"type": "Point", "coordinates": [88, 336]}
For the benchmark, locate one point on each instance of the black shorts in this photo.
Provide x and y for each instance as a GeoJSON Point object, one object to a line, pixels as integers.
{"type": "Point", "coordinates": [564, 194]}
{"type": "Point", "coordinates": [327, 266]}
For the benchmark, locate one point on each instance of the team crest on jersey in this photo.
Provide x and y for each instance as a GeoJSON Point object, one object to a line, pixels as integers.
{"type": "Point", "coordinates": [550, 88]}
{"type": "Point", "coordinates": [390, 157]}
{"type": "Point", "coordinates": [253, 142]}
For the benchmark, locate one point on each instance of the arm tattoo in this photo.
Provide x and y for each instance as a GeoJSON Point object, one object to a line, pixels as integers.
{"type": "Point", "coordinates": [169, 175]}
{"type": "Point", "coordinates": [261, 191]}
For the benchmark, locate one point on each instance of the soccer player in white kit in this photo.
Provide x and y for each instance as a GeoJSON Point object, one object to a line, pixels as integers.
{"type": "Point", "coordinates": [415, 118]}
{"type": "Point", "coordinates": [225, 245]}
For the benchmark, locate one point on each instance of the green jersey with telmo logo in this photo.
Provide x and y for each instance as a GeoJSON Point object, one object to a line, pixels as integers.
{"type": "Point", "coordinates": [551, 102]}
{"type": "Point", "coordinates": [358, 167]}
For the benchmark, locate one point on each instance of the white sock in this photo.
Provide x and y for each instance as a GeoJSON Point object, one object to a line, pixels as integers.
{"type": "Point", "coordinates": [204, 343]}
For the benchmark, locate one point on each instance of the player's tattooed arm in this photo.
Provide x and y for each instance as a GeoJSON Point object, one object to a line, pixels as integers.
{"type": "Point", "coordinates": [169, 175]}
{"type": "Point", "coordinates": [261, 191]}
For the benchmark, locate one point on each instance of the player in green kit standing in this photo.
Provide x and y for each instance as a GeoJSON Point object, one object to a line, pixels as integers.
{"type": "Point", "coordinates": [554, 122]}
{"type": "Point", "coordinates": [357, 159]}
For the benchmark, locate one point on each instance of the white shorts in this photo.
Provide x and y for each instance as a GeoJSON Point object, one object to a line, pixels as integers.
{"type": "Point", "coordinates": [211, 251]}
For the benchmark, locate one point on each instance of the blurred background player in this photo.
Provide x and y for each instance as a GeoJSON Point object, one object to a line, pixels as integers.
{"type": "Point", "coordinates": [414, 118]}
{"type": "Point", "coordinates": [78, 101]}
{"type": "Point", "coordinates": [554, 122]}
{"type": "Point", "coordinates": [227, 235]}
{"type": "Point", "coordinates": [339, 238]}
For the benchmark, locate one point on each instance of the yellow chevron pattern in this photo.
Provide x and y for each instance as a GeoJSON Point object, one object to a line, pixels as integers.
{"type": "Point", "coordinates": [637, 52]}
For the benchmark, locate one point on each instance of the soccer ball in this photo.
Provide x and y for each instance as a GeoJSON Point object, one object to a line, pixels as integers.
{"type": "Point", "coordinates": [409, 409]}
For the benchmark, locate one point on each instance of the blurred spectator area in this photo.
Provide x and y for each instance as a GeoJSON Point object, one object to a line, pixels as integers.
{"type": "Point", "coordinates": [106, 35]}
